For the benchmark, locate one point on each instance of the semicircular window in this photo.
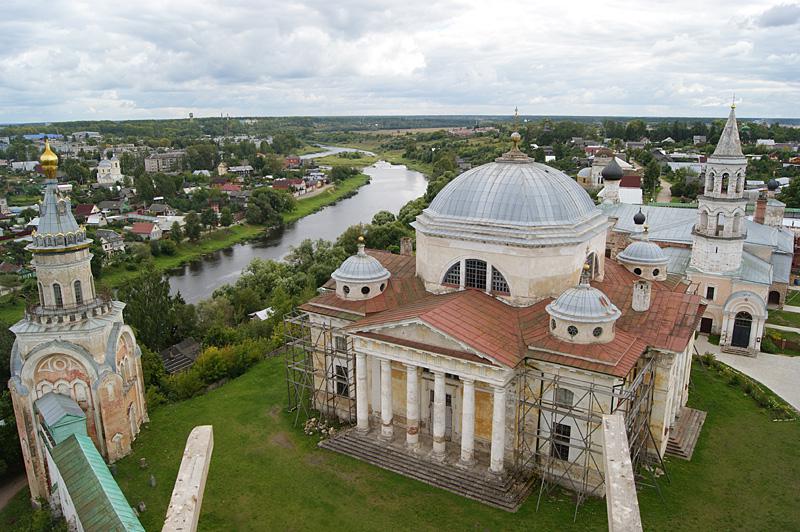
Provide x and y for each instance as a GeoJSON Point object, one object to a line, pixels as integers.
{"type": "Point", "coordinates": [499, 284]}
{"type": "Point", "coordinates": [453, 275]}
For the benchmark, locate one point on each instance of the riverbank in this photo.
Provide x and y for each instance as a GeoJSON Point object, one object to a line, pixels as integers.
{"type": "Point", "coordinates": [12, 308]}
{"type": "Point", "coordinates": [229, 236]}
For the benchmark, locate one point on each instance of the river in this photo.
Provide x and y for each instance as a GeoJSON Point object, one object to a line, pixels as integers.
{"type": "Point", "coordinates": [390, 188]}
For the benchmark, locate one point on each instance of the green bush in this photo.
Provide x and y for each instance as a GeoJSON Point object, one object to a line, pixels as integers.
{"type": "Point", "coordinates": [184, 385]}
{"type": "Point", "coordinates": [768, 346]}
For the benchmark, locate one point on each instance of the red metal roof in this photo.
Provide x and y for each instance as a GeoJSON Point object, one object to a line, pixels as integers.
{"type": "Point", "coordinates": [142, 228]}
{"type": "Point", "coordinates": [509, 334]}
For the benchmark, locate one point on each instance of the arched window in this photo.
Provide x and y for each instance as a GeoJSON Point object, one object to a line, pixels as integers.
{"type": "Point", "coordinates": [453, 275]}
{"type": "Point", "coordinates": [499, 284]}
{"type": "Point", "coordinates": [59, 301]}
{"type": "Point", "coordinates": [564, 397]}
{"type": "Point", "coordinates": [78, 293]}
{"type": "Point", "coordinates": [725, 181]}
{"type": "Point", "coordinates": [41, 293]}
{"type": "Point", "coordinates": [475, 274]}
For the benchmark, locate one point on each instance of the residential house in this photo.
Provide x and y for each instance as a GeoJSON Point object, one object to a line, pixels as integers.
{"type": "Point", "coordinates": [111, 241]}
{"type": "Point", "coordinates": [111, 207]}
{"type": "Point", "coordinates": [180, 356]}
{"type": "Point", "coordinates": [228, 188]}
{"type": "Point", "coordinates": [161, 209]}
{"type": "Point", "coordinates": [292, 161]}
{"type": "Point", "coordinates": [170, 161]}
{"type": "Point", "coordinates": [699, 139]}
{"type": "Point", "coordinates": [296, 186]}
{"type": "Point", "coordinates": [146, 230]}
{"type": "Point", "coordinates": [241, 171]}
{"type": "Point", "coordinates": [84, 210]}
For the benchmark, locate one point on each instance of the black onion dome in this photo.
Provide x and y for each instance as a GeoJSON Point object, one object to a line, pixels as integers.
{"type": "Point", "coordinates": [612, 171]}
{"type": "Point", "coordinates": [639, 218]}
{"type": "Point", "coordinates": [773, 185]}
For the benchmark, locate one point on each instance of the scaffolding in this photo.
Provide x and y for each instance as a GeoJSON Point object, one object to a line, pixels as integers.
{"type": "Point", "coordinates": [320, 370]}
{"type": "Point", "coordinates": [559, 436]}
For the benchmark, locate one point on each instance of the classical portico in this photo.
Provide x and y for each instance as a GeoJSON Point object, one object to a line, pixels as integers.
{"type": "Point", "coordinates": [451, 383]}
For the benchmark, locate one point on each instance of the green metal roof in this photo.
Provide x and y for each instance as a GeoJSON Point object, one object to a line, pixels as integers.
{"type": "Point", "coordinates": [98, 500]}
{"type": "Point", "coordinates": [62, 416]}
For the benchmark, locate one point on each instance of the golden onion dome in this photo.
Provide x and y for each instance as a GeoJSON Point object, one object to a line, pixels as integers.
{"type": "Point", "coordinates": [48, 158]}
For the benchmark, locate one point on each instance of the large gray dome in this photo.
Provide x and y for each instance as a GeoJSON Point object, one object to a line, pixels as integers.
{"type": "Point", "coordinates": [514, 193]}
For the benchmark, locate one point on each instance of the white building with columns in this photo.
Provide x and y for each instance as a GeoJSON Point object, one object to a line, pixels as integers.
{"type": "Point", "coordinates": [489, 355]}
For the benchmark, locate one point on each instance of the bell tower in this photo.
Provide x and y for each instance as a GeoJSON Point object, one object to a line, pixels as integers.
{"type": "Point", "coordinates": [719, 233]}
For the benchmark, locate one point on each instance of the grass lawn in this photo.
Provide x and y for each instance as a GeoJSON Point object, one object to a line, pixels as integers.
{"type": "Point", "coordinates": [793, 298]}
{"type": "Point", "coordinates": [307, 206]}
{"type": "Point", "coordinates": [267, 475]}
{"type": "Point", "coordinates": [777, 335]}
{"type": "Point", "coordinates": [357, 162]}
{"type": "Point", "coordinates": [11, 309]}
{"type": "Point", "coordinates": [784, 317]}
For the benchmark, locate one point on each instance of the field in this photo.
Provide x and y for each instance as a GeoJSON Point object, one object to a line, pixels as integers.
{"type": "Point", "coordinates": [266, 475]}
{"type": "Point", "coordinates": [784, 317]}
{"type": "Point", "coordinates": [793, 298]}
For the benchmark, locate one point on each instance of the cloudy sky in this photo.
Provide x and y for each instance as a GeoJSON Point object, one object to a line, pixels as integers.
{"type": "Point", "coordinates": [75, 59]}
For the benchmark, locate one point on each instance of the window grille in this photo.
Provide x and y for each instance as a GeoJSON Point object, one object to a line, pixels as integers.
{"type": "Point", "coordinates": [475, 274]}
{"type": "Point", "coordinates": [57, 295]}
{"type": "Point", "coordinates": [342, 382]}
{"type": "Point", "coordinates": [564, 397]}
{"type": "Point", "coordinates": [453, 275]}
{"type": "Point", "coordinates": [560, 447]}
{"type": "Point", "coordinates": [499, 284]}
{"type": "Point", "coordinates": [78, 293]}
{"type": "Point", "coordinates": [341, 343]}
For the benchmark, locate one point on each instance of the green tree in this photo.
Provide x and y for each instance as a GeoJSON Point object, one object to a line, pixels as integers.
{"type": "Point", "coordinates": [192, 227]}
{"type": "Point", "coordinates": [158, 318]}
{"type": "Point", "coordinates": [145, 188]}
{"type": "Point", "coordinates": [202, 156]}
{"type": "Point", "coordinates": [226, 217]}
{"type": "Point", "coordinates": [74, 170]}
{"type": "Point", "coordinates": [208, 217]}
{"type": "Point", "coordinates": [650, 182]}
{"type": "Point", "coordinates": [382, 218]}
{"type": "Point", "coordinates": [176, 233]}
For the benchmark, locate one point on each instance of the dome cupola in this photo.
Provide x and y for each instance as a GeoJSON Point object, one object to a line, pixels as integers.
{"type": "Point", "coordinates": [643, 257]}
{"type": "Point", "coordinates": [612, 171]}
{"type": "Point", "coordinates": [583, 314]}
{"type": "Point", "coordinates": [360, 276]}
{"type": "Point", "coordinates": [773, 185]}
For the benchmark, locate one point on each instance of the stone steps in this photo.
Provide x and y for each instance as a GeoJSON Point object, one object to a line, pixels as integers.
{"type": "Point", "coordinates": [683, 437]}
{"type": "Point", "coordinates": [507, 493]}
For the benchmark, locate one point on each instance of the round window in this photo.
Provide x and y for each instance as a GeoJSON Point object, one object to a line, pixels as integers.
{"type": "Point", "coordinates": [553, 324]}
{"type": "Point", "coordinates": [365, 290]}
{"type": "Point", "coordinates": [637, 271]}
{"type": "Point", "coordinates": [346, 289]}
{"type": "Point", "coordinates": [656, 272]}
{"type": "Point", "coordinates": [572, 330]}
{"type": "Point", "coordinates": [597, 332]}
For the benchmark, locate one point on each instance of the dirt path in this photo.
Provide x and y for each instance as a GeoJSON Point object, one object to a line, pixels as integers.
{"type": "Point", "coordinates": [10, 489]}
{"type": "Point", "coordinates": [665, 194]}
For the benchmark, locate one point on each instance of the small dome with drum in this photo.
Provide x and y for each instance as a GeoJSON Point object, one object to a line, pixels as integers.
{"type": "Point", "coordinates": [643, 257]}
{"type": "Point", "coordinates": [360, 276]}
{"type": "Point", "coordinates": [583, 314]}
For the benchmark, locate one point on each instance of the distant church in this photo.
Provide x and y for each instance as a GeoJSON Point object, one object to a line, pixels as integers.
{"type": "Point", "coordinates": [740, 267]}
{"type": "Point", "coordinates": [109, 171]}
{"type": "Point", "coordinates": [76, 369]}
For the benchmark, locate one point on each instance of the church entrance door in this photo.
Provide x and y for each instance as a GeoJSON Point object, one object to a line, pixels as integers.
{"type": "Point", "coordinates": [741, 330]}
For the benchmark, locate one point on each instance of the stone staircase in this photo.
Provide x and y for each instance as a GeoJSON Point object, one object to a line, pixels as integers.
{"type": "Point", "coordinates": [683, 437]}
{"type": "Point", "coordinates": [506, 493]}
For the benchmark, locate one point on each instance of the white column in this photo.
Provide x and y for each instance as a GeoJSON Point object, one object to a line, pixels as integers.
{"type": "Point", "coordinates": [438, 415]}
{"type": "Point", "coordinates": [386, 399]}
{"type": "Point", "coordinates": [498, 430]}
{"type": "Point", "coordinates": [412, 406]}
{"type": "Point", "coordinates": [362, 408]}
{"type": "Point", "coordinates": [462, 274]}
{"type": "Point", "coordinates": [468, 422]}
{"type": "Point", "coordinates": [375, 398]}
{"type": "Point", "coordinates": [488, 278]}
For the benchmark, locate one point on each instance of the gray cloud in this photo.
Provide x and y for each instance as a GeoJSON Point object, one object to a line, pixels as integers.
{"type": "Point", "coordinates": [150, 58]}
{"type": "Point", "coordinates": [780, 15]}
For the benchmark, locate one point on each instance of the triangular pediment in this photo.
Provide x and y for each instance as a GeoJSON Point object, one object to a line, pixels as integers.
{"type": "Point", "coordinates": [420, 332]}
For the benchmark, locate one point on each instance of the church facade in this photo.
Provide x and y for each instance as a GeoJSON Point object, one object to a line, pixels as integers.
{"type": "Point", "coordinates": [739, 266]}
{"type": "Point", "coordinates": [496, 349]}
{"type": "Point", "coordinates": [72, 344]}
